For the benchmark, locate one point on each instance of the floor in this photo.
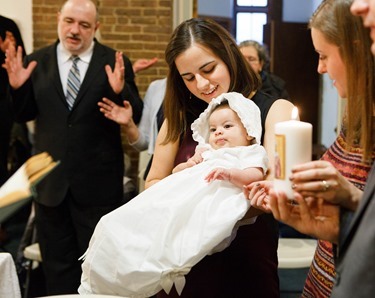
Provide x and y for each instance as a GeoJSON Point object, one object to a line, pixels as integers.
{"type": "Point", "coordinates": [291, 282]}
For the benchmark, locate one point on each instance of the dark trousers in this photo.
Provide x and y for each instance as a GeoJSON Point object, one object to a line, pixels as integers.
{"type": "Point", "coordinates": [63, 234]}
{"type": "Point", "coordinates": [5, 132]}
{"type": "Point", "coordinates": [4, 146]}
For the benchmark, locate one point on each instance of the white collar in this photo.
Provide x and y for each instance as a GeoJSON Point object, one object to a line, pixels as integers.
{"type": "Point", "coordinates": [85, 56]}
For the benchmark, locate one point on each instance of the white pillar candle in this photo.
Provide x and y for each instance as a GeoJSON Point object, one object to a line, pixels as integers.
{"type": "Point", "coordinates": [293, 145]}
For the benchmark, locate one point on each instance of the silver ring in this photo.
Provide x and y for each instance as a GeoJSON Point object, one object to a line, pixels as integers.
{"type": "Point", "coordinates": [325, 185]}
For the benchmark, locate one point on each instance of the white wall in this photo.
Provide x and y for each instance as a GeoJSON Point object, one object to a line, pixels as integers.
{"type": "Point", "coordinates": [297, 11]}
{"type": "Point", "coordinates": [182, 10]}
{"type": "Point", "coordinates": [20, 11]}
{"type": "Point", "coordinates": [329, 112]}
{"type": "Point", "coordinates": [293, 10]}
{"type": "Point", "coordinates": [220, 8]}
{"type": "Point", "coordinates": [300, 11]}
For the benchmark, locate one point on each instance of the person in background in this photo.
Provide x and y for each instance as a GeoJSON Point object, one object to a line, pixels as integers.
{"type": "Point", "coordinates": [142, 136]}
{"type": "Point", "coordinates": [59, 86]}
{"type": "Point", "coordinates": [9, 35]}
{"type": "Point", "coordinates": [257, 57]}
{"type": "Point", "coordinates": [204, 62]}
{"type": "Point", "coordinates": [15, 147]}
{"type": "Point", "coordinates": [343, 45]}
{"type": "Point", "coordinates": [143, 64]}
{"type": "Point", "coordinates": [130, 187]}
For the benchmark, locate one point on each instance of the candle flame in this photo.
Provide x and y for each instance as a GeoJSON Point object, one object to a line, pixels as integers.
{"type": "Point", "coordinates": [295, 114]}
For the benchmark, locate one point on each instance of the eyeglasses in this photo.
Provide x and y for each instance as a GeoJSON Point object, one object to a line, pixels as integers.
{"type": "Point", "coordinates": [252, 60]}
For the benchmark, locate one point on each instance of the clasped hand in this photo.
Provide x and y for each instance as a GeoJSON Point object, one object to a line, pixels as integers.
{"type": "Point", "coordinates": [315, 208]}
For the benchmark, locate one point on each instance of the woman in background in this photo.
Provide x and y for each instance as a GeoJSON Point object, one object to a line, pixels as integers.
{"type": "Point", "coordinates": [257, 57]}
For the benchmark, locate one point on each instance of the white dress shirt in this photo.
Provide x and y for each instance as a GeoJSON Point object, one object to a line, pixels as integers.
{"type": "Point", "coordinates": [65, 63]}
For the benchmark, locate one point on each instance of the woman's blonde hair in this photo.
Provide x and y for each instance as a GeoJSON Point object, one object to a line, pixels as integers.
{"type": "Point", "coordinates": [335, 21]}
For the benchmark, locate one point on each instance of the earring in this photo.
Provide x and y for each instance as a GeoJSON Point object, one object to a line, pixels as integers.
{"type": "Point", "coordinates": [190, 96]}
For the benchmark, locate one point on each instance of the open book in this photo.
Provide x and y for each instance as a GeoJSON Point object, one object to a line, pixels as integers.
{"type": "Point", "coordinates": [21, 185]}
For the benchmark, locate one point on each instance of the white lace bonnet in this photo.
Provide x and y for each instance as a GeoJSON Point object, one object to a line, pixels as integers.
{"type": "Point", "coordinates": [246, 109]}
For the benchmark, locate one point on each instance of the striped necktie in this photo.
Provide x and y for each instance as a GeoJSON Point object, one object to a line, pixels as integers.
{"type": "Point", "coordinates": [74, 82]}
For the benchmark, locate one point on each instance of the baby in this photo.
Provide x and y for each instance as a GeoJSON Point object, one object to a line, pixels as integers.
{"type": "Point", "coordinates": [154, 240]}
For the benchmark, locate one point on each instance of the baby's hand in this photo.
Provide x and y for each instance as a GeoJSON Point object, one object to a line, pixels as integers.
{"type": "Point", "coordinates": [184, 165]}
{"type": "Point", "coordinates": [197, 157]}
{"type": "Point", "coordinates": [218, 174]}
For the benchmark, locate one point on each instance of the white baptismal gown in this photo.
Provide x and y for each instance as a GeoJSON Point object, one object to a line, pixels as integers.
{"type": "Point", "coordinates": [151, 242]}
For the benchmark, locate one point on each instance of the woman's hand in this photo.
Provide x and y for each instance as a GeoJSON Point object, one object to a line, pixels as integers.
{"type": "Point", "coordinates": [322, 180]}
{"type": "Point", "coordinates": [142, 64]}
{"type": "Point", "coordinates": [121, 115]}
{"type": "Point", "coordinates": [257, 193]}
{"type": "Point", "coordinates": [311, 216]}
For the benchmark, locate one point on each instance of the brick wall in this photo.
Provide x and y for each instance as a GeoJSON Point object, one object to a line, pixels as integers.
{"type": "Point", "coordinates": [139, 28]}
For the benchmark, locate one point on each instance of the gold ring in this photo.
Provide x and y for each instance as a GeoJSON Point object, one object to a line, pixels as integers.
{"type": "Point", "coordinates": [325, 185]}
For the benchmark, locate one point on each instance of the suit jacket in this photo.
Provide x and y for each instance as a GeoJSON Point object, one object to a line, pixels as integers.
{"type": "Point", "coordinates": [355, 265]}
{"type": "Point", "coordinates": [87, 144]}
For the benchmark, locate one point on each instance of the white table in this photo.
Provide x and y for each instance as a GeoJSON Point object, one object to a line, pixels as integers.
{"type": "Point", "coordinates": [296, 252]}
{"type": "Point", "coordinates": [82, 296]}
{"type": "Point", "coordinates": [9, 285]}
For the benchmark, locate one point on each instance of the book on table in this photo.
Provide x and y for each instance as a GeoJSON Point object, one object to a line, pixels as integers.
{"type": "Point", "coordinates": [21, 185]}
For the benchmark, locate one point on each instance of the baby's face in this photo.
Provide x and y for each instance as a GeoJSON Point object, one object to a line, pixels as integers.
{"type": "Point", "coordinates": [226, 129]}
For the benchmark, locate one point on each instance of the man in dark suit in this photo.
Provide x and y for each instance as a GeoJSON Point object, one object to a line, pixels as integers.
{"type": "Point", "coordinates": [60, 86]}
{"type": "Point", "coordinates": [355, 264]}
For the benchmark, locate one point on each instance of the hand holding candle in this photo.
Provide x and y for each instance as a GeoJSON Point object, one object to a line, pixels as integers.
{"type": "Point", "coordinates": [293, 145]}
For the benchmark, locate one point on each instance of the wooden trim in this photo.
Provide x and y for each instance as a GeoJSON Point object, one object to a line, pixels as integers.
{"type": "Point", "coordinates": [223, 21]}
